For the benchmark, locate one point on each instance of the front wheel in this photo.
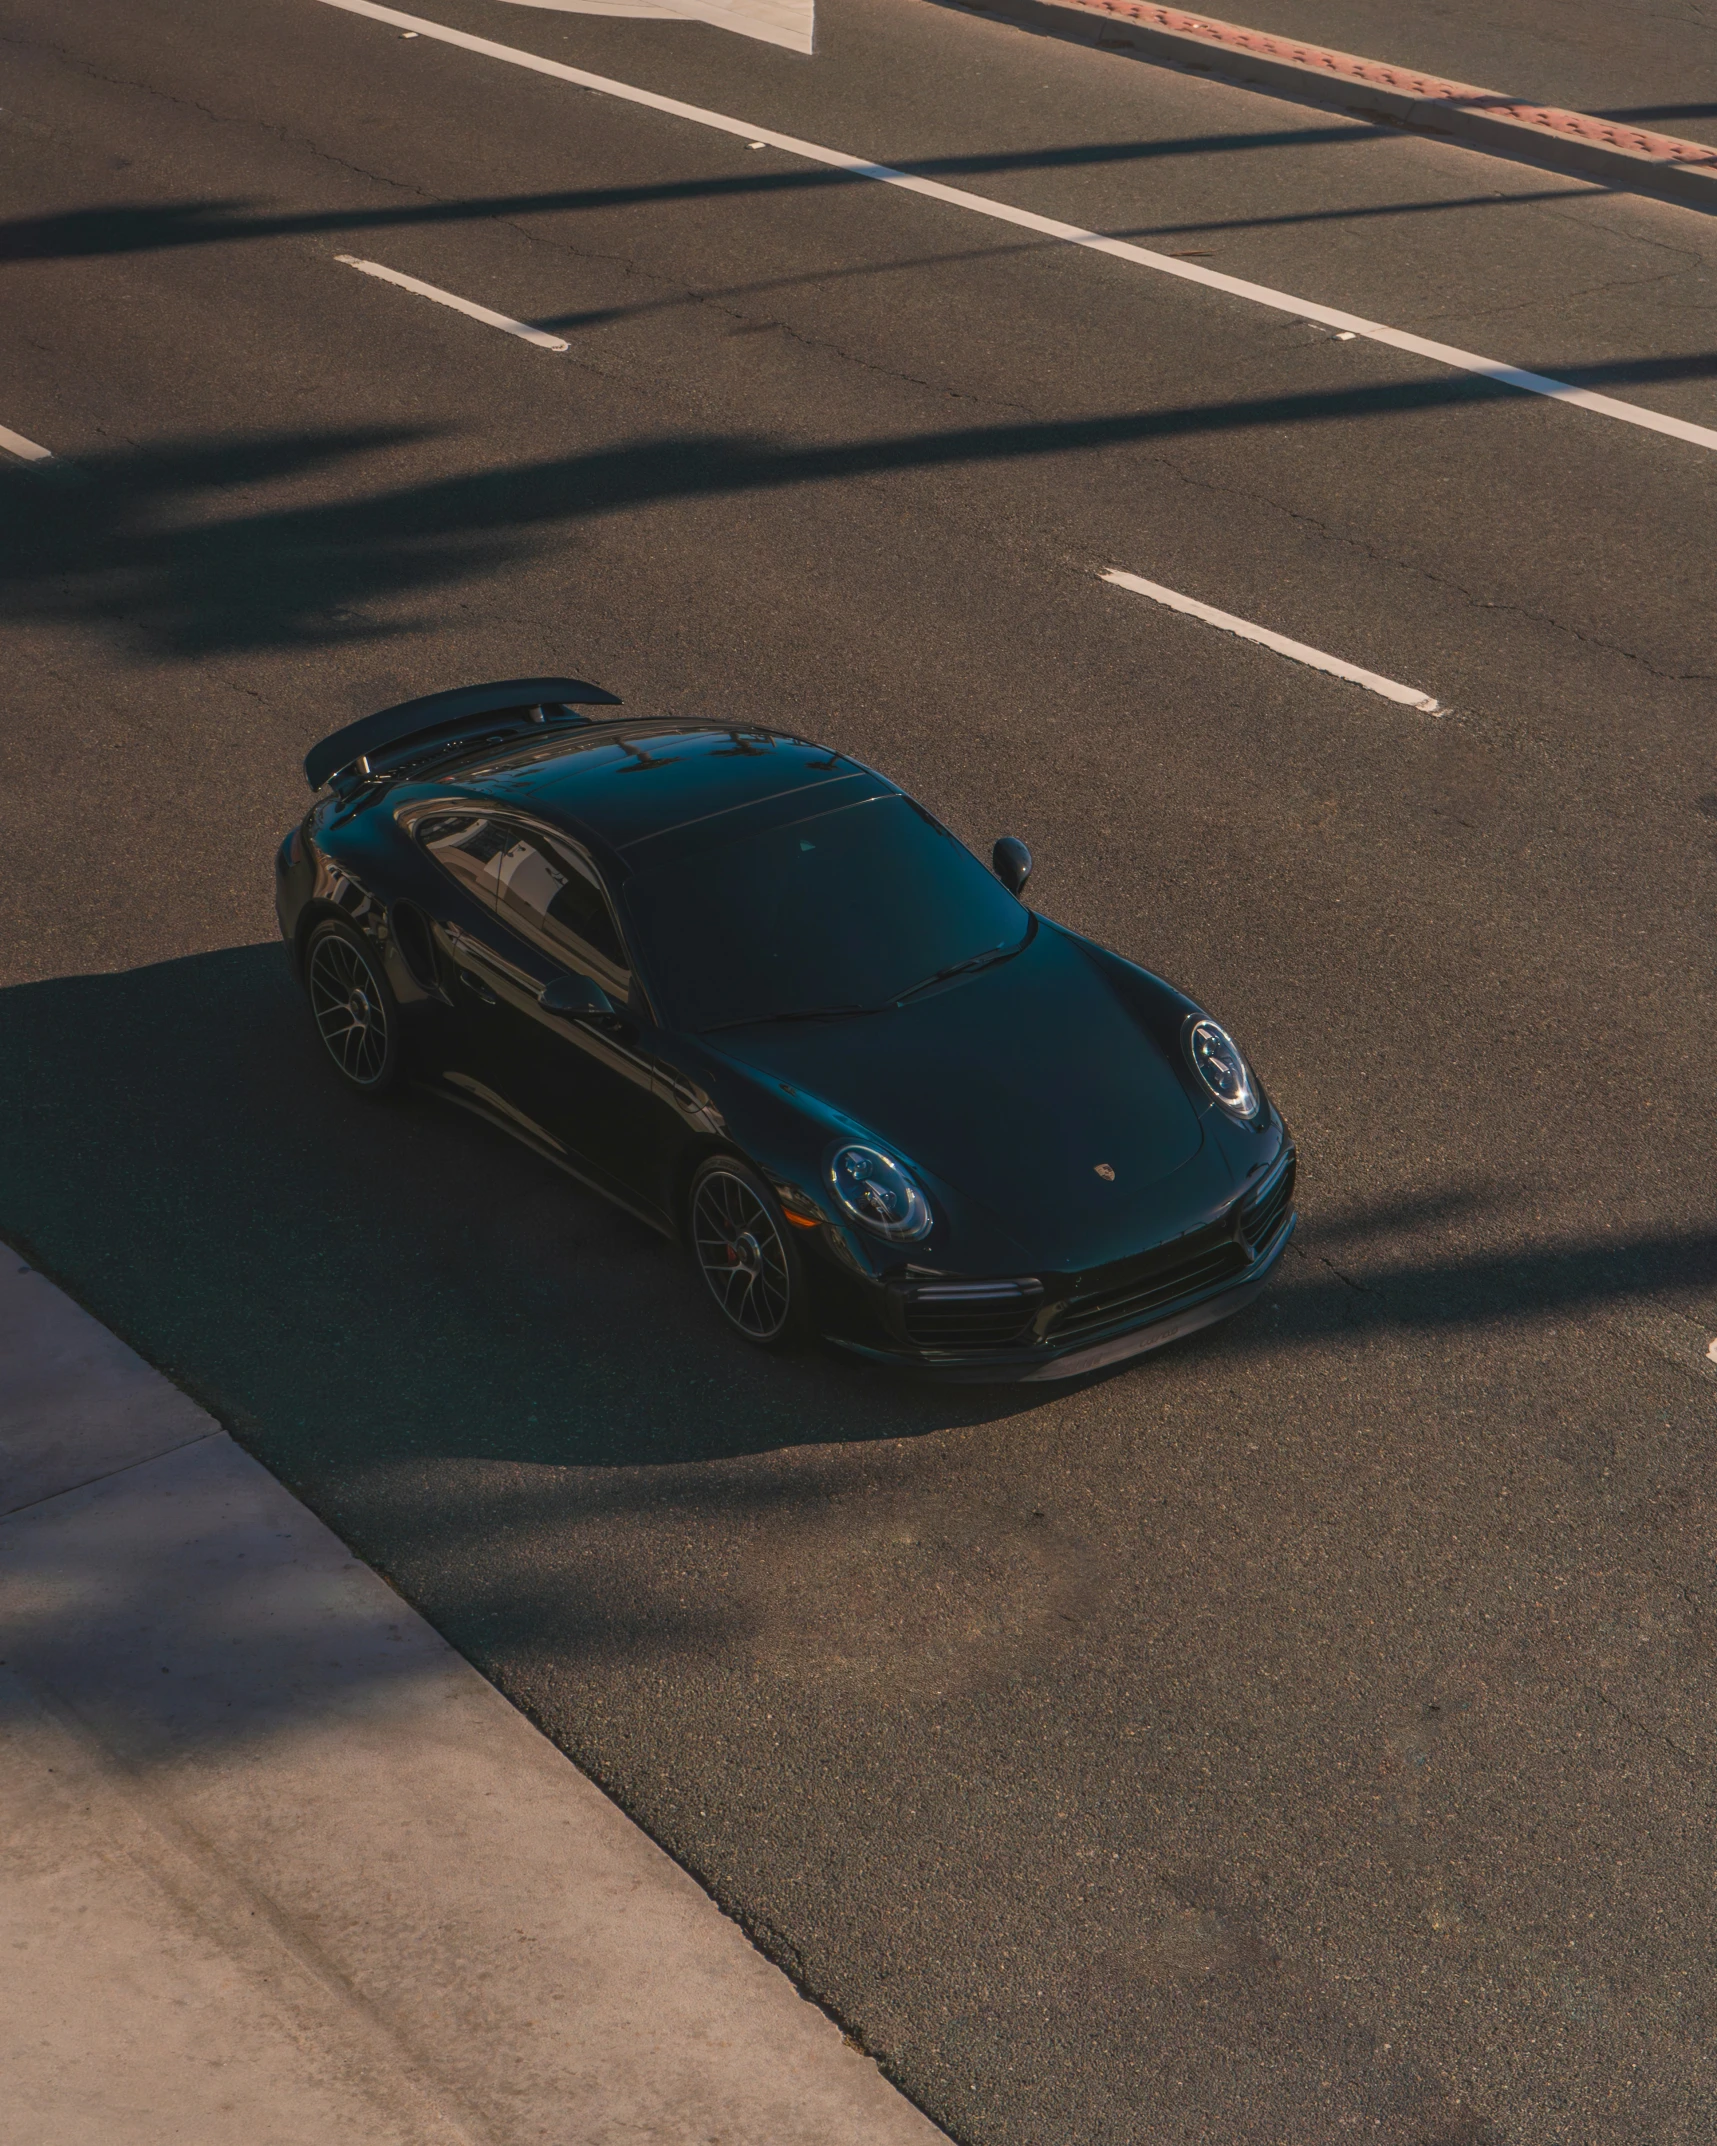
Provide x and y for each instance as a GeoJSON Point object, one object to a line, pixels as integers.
{"type": "Point", "coordinates": [356, 1014]}
{"type": "Point", "coordinates": [749, 1267]}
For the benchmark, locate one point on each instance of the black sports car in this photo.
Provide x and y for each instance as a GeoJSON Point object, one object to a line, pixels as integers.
{"type": "Point", "coordinates": [745, 986]}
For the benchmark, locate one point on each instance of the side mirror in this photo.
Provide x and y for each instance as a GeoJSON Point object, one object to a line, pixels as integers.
{"type": "Point", "coordinates": [1011, 862]}
{"type": "Point", "coordinates": [575, 998]}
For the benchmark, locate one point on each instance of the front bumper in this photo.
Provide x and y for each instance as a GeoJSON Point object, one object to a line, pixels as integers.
{"type": "Point", "coordinates": [1028, 1362]}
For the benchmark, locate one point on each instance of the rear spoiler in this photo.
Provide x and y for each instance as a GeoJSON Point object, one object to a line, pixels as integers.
{"type": "Point", "coordinates": [474, 712]}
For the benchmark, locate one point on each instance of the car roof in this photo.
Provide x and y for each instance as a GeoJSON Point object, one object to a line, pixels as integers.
{"type": "Point", "coordinates": [631, 783]}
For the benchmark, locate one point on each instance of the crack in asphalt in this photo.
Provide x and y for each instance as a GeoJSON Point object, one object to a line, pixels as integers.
{"type": "Point", "coordinates": [1416, 568]}
{"type": "Point", "coordinates": [1582, 211]}
{"type": "Point", "coordinates": [92, 73]}
{"type": "Point", "coordinates": [1525, 305]}
{"type": "Point", "coordinates": [1643, 1728]}
{"type": "Point", "coordinates": [1361, 1289]}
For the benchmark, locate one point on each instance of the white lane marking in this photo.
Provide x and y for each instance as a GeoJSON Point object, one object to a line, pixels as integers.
{"type": "Point", "coordinates": [15, 443]}
{"type": "Point", "coordinates": [1711, 1351]}
{"type": "Point", "coordinates": [503, 321]}
{"type": "Point", "coordinates": [1466, 361]}
{"type": "Point", "coordinates": [1407, 696]}
{"type": "Point", "coordinates": [776, 22]}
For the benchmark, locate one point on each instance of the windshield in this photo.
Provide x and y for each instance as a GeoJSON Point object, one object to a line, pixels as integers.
{"type": "Point", "coordinates": [843, 911]}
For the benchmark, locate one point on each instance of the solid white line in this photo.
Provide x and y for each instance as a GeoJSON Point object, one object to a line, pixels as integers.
{"type": "Point", "coordinates": [26, 450]}
{"type": "Point", "coordinates": [1407, 696]}
{"type": "Point", "coordinates": [1629, 413]}
{"type": "Point", "coordinates": [504, 321]}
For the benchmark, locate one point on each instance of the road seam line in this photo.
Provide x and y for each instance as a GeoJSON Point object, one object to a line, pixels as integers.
{"type": "Point", "coordinates": [1296, 651]}
{"type": "Point", "coordinates": [504, 321]}
{"type": "Point", "coordinates": [1048, 227]}
{"type": "Point", "coordinates": [124, 1467]}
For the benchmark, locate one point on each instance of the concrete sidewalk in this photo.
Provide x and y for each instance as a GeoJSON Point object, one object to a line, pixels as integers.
{"type": "Point", "coordinates": [276, 1865]}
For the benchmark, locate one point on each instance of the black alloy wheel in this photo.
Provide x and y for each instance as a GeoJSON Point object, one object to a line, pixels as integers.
{"type": "Point", "coordinates": [743, 1254]}
{"type": "Point", "coordinates": [356, 1015]}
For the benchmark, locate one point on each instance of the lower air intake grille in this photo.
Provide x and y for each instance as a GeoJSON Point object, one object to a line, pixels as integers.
{"type": "Point", "coordinates": [1270, 1206]}
{"type": "Point", "coordinates": [969, 1315]}
{"type": "Point", "coordinates": [1134, 1288]}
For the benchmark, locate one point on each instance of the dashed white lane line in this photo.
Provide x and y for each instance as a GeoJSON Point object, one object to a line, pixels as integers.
{"type": "Point", "coordinates": [15, 443]}
{"type": "Point", "coordinates": [508, 326]}
{"type": "Point", "coordinates": [1467, 361]}
{"type": "Point", "coordinates": [1296, 651]}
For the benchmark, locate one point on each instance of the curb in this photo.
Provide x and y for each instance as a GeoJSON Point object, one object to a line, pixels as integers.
{"type": "Point", "coordinates": [280, 1860]}
{"type": "Point", "coordinates": [1576, 142]}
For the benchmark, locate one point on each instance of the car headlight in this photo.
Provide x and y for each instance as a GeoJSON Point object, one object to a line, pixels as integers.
{"type": "Point", "coordinates": [1217, 1061]}
{"type": "Point", "coordinates": [874, 1189]}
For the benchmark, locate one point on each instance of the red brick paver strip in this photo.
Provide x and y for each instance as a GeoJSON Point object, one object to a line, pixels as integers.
{"type": "Point", "coordinates": [1577, 141]}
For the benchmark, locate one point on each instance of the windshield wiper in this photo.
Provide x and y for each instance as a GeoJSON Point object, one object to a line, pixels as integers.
{"type": "Point", "coordinates": [957, 968]}
{"type": "Point", "coordinates": [895, 998]}
{"type": "Point", "coordinates": [805, 1013]}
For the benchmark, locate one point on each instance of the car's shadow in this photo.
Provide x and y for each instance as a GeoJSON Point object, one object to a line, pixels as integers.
{"type": "Point", "coordinates": [343, 1281]}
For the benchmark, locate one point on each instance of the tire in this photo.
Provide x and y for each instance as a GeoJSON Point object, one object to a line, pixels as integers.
{"type": "Point", "coordinates": [743, 1251]}
{"type": "Point", "coordinates": [356, 1014]}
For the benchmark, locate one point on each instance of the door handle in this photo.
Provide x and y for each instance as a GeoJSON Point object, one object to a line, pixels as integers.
{"type": "Point", "coordinates": [476, 984]}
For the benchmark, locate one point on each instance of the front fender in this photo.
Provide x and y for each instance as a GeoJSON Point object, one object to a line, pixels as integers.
{"type": "Point", "coordinates": [786, 1135]}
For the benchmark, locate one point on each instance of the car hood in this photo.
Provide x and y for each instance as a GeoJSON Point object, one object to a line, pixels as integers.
{"type": "Point", "coordinates": [1012, 1086]}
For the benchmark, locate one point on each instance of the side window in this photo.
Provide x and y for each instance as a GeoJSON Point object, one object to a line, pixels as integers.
{"type": "Point", "coordinates": [468, 849]}
{"type": "Point", "coordinates": [549, 895]}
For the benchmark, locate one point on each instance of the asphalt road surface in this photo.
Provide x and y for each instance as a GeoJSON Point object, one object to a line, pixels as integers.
{"type": "Point", "coordinates": [1305, 1734]}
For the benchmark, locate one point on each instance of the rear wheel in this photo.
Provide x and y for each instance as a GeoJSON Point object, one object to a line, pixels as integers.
{"type": "Point", "coordinates": [356, 1014]}
{"type": "Point", "coordinates": [749, 1267]}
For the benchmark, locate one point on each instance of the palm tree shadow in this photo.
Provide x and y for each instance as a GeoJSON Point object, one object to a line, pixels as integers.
{"type": "Point", "coordinates": [118, 553]}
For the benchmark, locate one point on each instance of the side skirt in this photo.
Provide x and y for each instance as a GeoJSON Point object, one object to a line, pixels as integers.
{"type": "Point", "coordinates": [444, 1093]}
